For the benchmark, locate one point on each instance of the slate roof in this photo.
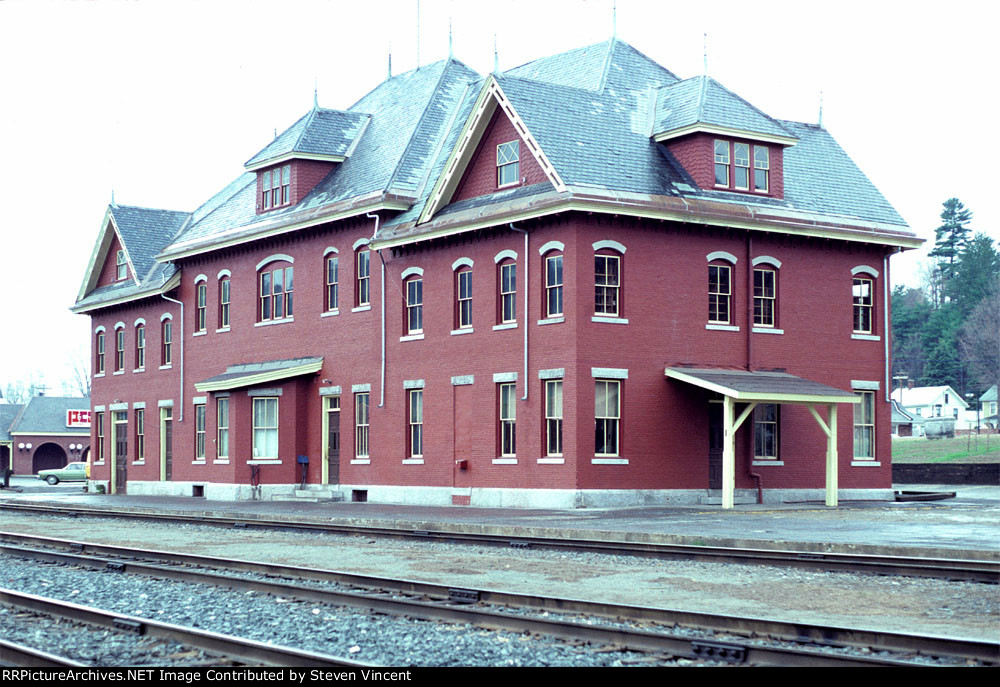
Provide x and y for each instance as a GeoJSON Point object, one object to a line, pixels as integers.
{"type": "Point", "coordinates": [47, 414]}
{"type": "Point", "coordinates": [703, 100]}
{"type": "Point", "coordinates": [318, 132]}
{"type": "Point", "coordinates": [8, 413]}
{"type": "Point", "coordinates": [593, 110]}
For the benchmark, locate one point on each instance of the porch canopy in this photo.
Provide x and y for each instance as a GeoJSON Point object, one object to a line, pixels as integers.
{"type": "Point", "coordinates": [251, 374]}
{"type": "Point", "coordinates": [754, 388]}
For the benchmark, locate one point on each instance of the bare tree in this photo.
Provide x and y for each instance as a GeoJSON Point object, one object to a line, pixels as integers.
{"type": "Point", "coordinates": [980, 339]}
{"type": "Point", "coordinates": [20, 391]}
{"type": "Point", "coordinates": [77, 382]}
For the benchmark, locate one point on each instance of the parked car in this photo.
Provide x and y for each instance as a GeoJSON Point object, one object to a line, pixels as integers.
{"type": "Point", "coordinates": [74, 472]}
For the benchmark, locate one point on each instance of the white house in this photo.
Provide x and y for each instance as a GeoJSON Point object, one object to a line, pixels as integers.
{"type": "Point", "coordinates": [930, 402]}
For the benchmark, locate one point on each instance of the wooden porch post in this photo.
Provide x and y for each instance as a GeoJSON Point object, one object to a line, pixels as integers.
{"type": "Point", "coordinates": [728, 453]}
{"type": "Point", "coordinates": [831, 457]}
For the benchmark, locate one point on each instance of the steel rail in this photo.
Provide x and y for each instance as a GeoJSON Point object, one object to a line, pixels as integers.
{"type": "Point", "coordinates": [27, 657]}
{"type": "Point", "coordinates": [986, 571]}
{"type": "Point", "coordinates": [457, 610]}
{"type": "Point", "coordinates": [247, 651]}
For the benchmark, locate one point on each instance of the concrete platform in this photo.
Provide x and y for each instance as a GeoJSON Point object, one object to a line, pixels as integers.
{"type": "Point", "coordinates": [965, 526]}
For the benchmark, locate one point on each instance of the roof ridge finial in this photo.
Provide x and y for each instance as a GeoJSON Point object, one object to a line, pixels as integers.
{"type": "Point", "coordinates": [113, 203]}
{"type": "Point", "coordinates": [614, 20]}
{"type": "Point", "coordinates": [821, 109]}
{"type": "Point", "coordinates": [418, 34]}
{"type": "Point", "coordinates": [496, 56]}
{"type": "Point", "coordinates": [315, 93]}
{"type": "Point", "coordinates": [704, 48]}
{"type": "Point", "coordinates": [390, 61]}
{"type": "Point", "coordinates": [450, 53]}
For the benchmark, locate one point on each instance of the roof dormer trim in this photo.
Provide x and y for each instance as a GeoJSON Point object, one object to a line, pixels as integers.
{"type": "Point", "coordinates": [288, 157]}
{"type": "Point", "coordinates": [715, 130]}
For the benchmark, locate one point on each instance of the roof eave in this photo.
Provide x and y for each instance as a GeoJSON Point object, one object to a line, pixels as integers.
{"type": "Point", "coordinates": [165, 287]}
{"type": "Point", "coordinates": [700, 127]}
{"type": "Point", "coordinates": [277, 160]}
{"type": "Point", "coordinates": [260, 378]}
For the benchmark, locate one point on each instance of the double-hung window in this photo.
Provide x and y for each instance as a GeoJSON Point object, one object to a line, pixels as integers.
{"type": "Point", "coordinates": [120, 349]}
{"type": "Point", "coordinates": [508, 292]}
{"type": "Point", "coordinates": [416, 422]}
{"type": "Point", "coordinates": [222, 428]}
{"type": "Point", "coordinates": [508, 163]}
{"type": "Point", "coordinates": [100, 436]}
{"type": "Point", "coordinates": [199, 432]}
{"type": "Point", "coordinates": [265, 427]}
{"type": "Point", "coordinates": [140, 347]}
{"type": "Point", "coordinates": [121, 266]}
{"type": "Point", "coordinates": [140, 434]}
{"type": "Point", "coordinates": [201, 308]}
{"type": "Point", "coordinates": [508, 420]}
{"type": "Point", "coordinates": [553, 417]}
{"type": "Point", "coordinates": [363, 274]}
{"type": "Point", "coordinates": [863, 305]}
{"type": "Point", "coordinates": [761, 168]}
{"type": "Point", "coordinates": [99, 351]}
{"type": "Point", "coordinates": [275, 187]}
{"type": "Point", "coordinates": [166, 342]}
{"type": "Point", "coordinates": [276, 291]}
{"type": "Point", "coordinates": [741, 162]}
{"type": "Point", "coordinates": [722, 163]}
{"type": "Point", "coordinates": [415, 306]}
{"type": "Point", "coordinates": [607, 416]}
{"type": "Point", "coordinates": [332, 283]}
{"type": "Point", "coordinates": [765, 431]}
{"type": "Point", "coordinates": [224, 300]}
{"type": "Point", "coordinates": [607, 282]}
{"type": "Point", "coordinates": [864, 425]}
{"type": "Point", "coordinates": [361, 425]}
{"type": "Point", "coordinates": [464, 299]}
{"type": "Point", "coordinates": [719, 293]}
{"type": "Point", "coordinates": [554, 286]}
{"type": "Point", "coordinates": [764, 298]}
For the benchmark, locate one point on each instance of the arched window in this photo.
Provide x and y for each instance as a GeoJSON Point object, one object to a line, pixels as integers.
{"type": "Point", "coordinates": [765, 291]}
{"type": "Point", "coordinates": [720, 287]}
{"type": "Point", "coordinates": [552, 268]}
{"type": "Point", "coordinates": [99, 352]}
{"type": "Point", "coordinates": [332, 272]}
{"type": "Point", "coordinates": [166, 339]}
{"type": "Point", "coordinates": [140, 346]}
{"type": "Point", "coordinates": [225, 298]}
{"type": "Point", "coordinates": [413, 288]}
{"type": "Point", "coordinates": [120, 347]}
{"type": "Point", "coordinates": [608, 258]}
{"type": "Point", "coordinates": [463, 293]}
{"type": "Point", "coordinates": [275, 296]}
{"type": "Point", "coordinates": [863, 299]}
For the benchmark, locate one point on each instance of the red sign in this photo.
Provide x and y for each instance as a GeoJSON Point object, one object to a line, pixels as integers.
{"type": "Point", "coordinates": [77, 418]}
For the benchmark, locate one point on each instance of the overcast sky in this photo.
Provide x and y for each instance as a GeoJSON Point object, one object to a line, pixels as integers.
{"type": "Point", "coordinates": [163, 102]}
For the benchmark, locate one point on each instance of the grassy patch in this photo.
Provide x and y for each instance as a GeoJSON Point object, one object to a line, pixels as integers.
{"type": "Point", "coordinates": [981, 449]}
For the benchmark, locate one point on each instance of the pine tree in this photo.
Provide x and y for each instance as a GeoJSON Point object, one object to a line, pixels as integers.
{"type": "Point", "coordinates": [950, 238]}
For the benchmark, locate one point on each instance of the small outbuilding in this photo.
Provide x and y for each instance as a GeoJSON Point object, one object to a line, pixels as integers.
{"type": "Point", "coordinates": [47, 432]}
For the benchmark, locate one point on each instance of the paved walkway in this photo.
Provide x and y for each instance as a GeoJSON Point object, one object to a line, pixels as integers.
{"type": "Point", "coordinates": [967, 525]}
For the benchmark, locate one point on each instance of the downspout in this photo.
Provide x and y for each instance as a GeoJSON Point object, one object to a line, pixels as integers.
{"type": "Point", "coordinates": [381, 401]}
{"type": "Point", "coordinates": [750, 472]}
{"type": "Point", "coordinates": [172, 300]}
{"type": "Point", "coordinates": [885, 330]}
{"type": "Point", "coordinates": [527, 262]}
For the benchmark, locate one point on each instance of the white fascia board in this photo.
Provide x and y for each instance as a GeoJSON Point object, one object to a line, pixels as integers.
{"type": "Point", "coordinates": [260, 378]}
{"type": "Point", "coordinates": [724, 131]}
{"type": "Point", "coordinates": [319, 157]}
{"type": "Point", "coordinates": [165, 287]}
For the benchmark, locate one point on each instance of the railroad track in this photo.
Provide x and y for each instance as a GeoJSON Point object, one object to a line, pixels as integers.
{"type": "Point", "coordinates": [227, 649]}
{"type": "Point", "coordinates": [984, 571]}
{"type": "Point", "coordinates": [751, 641]}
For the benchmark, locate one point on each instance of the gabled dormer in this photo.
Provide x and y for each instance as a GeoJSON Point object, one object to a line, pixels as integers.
{"type": "Point", "coordinates": [298, 159]}
{"type": "Point", "coordinates": [721, 140]}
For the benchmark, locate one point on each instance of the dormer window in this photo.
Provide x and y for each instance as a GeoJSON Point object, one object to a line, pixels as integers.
{"type": "Point", "coordinates": [508, 163]}
{"type": "Point", "coordinates": [732, 166]}
{"type": "Point", "coordinates": [122, 266]}
{"type": "Point", "coordinates": [275, 185]}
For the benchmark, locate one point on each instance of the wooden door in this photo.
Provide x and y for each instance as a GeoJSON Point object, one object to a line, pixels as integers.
{"type": "Point", "coordinates": [716, 442]}
{"type": "Point", "coordinates": [331, 449]}
{"type": "Point", "coordinates": [166, 443]}
{"type": "Point", "coordinates": [121, 450]}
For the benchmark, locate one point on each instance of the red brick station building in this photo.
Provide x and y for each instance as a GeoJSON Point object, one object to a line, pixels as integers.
{"type": "Point", "coordinates": [582, 282]}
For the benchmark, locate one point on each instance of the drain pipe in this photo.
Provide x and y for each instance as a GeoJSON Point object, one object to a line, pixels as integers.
{"type": "Point", "coordinates": [172, 300]}
{"type": "Point", "coordinates": [885, 329]}
{"type": "Point", "coordinates": [527, 261]}
{"type": "Point", "coordinates": [750, 472]}
{"type": "Point", "coordinates": [381, 400]}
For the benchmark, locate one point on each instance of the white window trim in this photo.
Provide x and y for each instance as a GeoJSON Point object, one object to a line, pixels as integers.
{"type": "Point", "coordinates": [552, 245]}
{"type": "Point", "coordinates": [767, 260]}
{"type": "Point", "coordinates": [864, 269]}
{"type": "Point", "coordinates": [504, 255]}
{"type": "Point", "coordinates": [721, 255]}
{"type": "Point", "coordinates": [609, 243]}
{"type": "Point", "coordinates": [277, 257]}
{"type": "Point", "coordinates": [461, 262]}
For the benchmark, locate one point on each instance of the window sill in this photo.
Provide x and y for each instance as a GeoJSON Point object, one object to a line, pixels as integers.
{"type": "Point", "coordinates": [120, 372]}
{"type": "Point", "coordinates": [139, 462]}
{"type": "Point", "coordinates": [264, 461]}
{"type": "Point", "coordinates": [413, 461]}
{"type": "Point", "coordinates": [222, 330]}
{"type": "Point", "coordinates": [506, 325]}
{"type": "Point", "coordinates": [99, 374]}
{"type": "Point", "coordinates": [609, 320]}
{"type": "Point", "coordinates": [505, 461]}
{"type": "Point", "coordinates": [268, 323]}
{"type": "Point", "coordinates": [767, 330]}
{"type": "Point", "coordinates": [361, 461]}
{"type": "Point", "coordinates": [459, 332]}
{"type": "Point", "coordinates": [98, 462]}
{"type": "Point", "coordinates": [201, 333]}
{"type": "Point", "coordinates": [223, 461]}
{"type": "Point", "coordinates": [866, 337]}
{"type": "Point", "coordinates": [865, 463]}
{"type": "Point", "coordinates": [361, 308]}
{"type": "Point", "coordinates": [552, 320]}
{"type": "Point", "coordinates": [330, 313]}
{"type": "Point", "coordinates": [764, 461]}
{"type": "Point", "coordinates": [722, 327]}
{"type": "Point", "coordinates": [166, 367]}
{"type": "Point", "coordinates": [138, 370]}
{"type": "Point", "coordinates": [198, 462]}
{"type": "Point", "coordinates": [551, 461]}
{"type": "Point", "coordinates": [412, 337]}
{"type": "Point", "coordinates": [609, 461]}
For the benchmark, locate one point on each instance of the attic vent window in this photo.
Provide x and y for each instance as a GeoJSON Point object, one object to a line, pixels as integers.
{"type": "Point", "coordinates": [508, 163]}
{"type": "Point", "coordinates": [275, 185]}
{"type": "Point", "coordinates": [122, 266]}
